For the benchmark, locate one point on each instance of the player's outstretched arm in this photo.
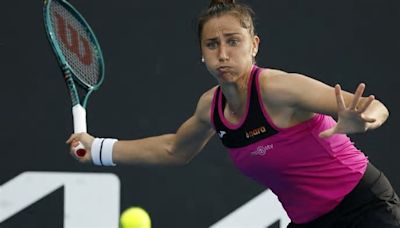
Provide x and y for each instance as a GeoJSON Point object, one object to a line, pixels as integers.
{"type": "Point", "coordinates": [178, 148]}
{"type": "Point", "coordinates": [355, 112]}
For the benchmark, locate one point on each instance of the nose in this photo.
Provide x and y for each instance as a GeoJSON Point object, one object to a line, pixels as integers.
{"type": "Point", "coordinates": [222, 54]}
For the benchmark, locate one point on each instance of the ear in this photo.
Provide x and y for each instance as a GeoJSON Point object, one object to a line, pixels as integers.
{"type": "Point", "coordinates": [256, 42]}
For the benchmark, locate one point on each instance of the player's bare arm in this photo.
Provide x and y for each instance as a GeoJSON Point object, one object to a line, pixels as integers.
{"type": "Point", "coordinates": [178, 148]}
{"type": "Point", "coordinates": [293, 91]}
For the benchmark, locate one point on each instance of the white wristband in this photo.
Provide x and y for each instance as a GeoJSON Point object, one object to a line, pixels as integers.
{"type": "Point", "coordinates": [95, 151]}
{"type": "Point", "coordinates": [102, 151]}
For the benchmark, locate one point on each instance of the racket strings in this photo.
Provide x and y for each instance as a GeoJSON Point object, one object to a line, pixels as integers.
{"type": "Point", "coordinates": [76, 44]}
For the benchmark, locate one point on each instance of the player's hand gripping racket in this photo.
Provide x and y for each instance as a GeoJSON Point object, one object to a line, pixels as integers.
{"type": "Point", "coordinates": [78, 54]}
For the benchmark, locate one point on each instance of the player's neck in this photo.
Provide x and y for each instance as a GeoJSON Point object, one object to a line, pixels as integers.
{"type": "Point", "coordinates": [236, 95]}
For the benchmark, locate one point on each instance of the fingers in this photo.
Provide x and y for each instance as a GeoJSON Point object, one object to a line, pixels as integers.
{"type": "Point", "coordinates": [79, 153]}
{"type": "Point", "coordinates": [80, 141]}
{"type": "Point", "coordinates": [73, 137]}
{"type": "Point", "coordinates": [364, 107]}
{"type": "Point", "coordinates": [357, 95]}
{"type": "Point", "coordinates": [74, 143]}
{"type": "Point", "coordinates": [339, 98]}
{"type": "Point", "coordinates": [356, 99]}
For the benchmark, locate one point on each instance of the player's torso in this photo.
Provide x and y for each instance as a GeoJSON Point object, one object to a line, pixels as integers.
{"type": "Point", "coordinates": [254, 135]}
{"type": "Point", "coordinates": [281, 115]}
{"type": "Point", "coordinates": [259, 146]}
{"type": "Point", "coordinates": [292, 161]}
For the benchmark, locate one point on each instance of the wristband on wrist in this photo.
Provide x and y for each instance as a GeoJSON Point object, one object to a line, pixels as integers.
{"type": "Point", "coordinates": [102, 149]}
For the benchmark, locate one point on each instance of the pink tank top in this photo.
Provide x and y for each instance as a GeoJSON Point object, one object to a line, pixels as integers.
{"type": "Point", "coordinates": [309, 175]}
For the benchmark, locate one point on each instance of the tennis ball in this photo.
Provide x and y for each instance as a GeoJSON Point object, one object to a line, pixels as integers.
{"type": "Point", "coordinates": [135, 217]}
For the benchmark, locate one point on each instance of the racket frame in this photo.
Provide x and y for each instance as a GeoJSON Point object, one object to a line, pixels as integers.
{"type": "Point", "coordinates": [68, 72]}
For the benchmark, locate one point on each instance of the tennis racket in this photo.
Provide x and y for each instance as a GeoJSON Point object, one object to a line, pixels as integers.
{"type": "Point", "coordinates": [79, 56]}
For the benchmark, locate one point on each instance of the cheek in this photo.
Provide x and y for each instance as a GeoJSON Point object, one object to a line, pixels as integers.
{"type": "Point", "coordinates": [244, 49]}
{"type": "Point", "coordinates": [249, 48]}
{"type": "Point", "coordinates": [244, 53]}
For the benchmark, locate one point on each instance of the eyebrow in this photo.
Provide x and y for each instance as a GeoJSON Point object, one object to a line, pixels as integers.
{"type": "Point", "coordinates": [225, 35]}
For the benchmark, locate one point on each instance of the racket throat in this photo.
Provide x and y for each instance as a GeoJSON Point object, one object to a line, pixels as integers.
{"type": "Point", "coordinates": [79, 117]}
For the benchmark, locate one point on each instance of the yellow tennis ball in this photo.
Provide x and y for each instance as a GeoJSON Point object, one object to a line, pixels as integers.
{"type": "Point", "coordinates": [135, 217]}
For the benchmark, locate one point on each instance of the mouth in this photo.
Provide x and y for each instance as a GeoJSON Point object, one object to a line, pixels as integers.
{"type": "Point", "coordinates": [223, 69]}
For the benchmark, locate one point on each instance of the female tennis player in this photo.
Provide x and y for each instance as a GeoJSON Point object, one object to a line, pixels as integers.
{"type": "Point", "coordinates": [278, 130]}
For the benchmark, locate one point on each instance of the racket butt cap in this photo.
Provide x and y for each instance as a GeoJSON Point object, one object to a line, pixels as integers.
{"type": "Point", "coordinates": [81, 152]}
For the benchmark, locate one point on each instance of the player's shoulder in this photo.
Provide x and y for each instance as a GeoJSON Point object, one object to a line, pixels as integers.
{"type": "Point", "coordinates": [204, 104]}
{"type": "Point", "coordinates": [273, 79]}
{"type": "Point", "coordinates": [277, 86]}
{"type": "Point", "coordinates": [272, 75]}
{"type": "Point", "coordinates": [208, 95]}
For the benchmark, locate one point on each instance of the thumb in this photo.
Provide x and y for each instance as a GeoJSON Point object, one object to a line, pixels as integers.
{"type": "Point", "coordinates": [368, 119]}
{"type": "Point", "coordinates": [73, 137]}
{"type": "Point", "coordinates": [327, 133]}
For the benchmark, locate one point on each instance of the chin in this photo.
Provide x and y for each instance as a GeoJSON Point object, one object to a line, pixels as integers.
{"type": "Point", "coordinates": [226, 78]}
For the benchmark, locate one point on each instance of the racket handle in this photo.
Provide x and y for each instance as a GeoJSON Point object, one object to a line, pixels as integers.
{"type": "Point", "coordinates": [80, 150]}
{"type": "Point", "coordinates": [79, 116]}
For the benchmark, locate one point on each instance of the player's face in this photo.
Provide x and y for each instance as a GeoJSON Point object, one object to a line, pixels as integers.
{"type": "Point", "coordinates": [228, 49]}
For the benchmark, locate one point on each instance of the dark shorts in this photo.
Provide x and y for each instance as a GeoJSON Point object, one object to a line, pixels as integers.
{"type": "Point", "coordinates": [371, 204]}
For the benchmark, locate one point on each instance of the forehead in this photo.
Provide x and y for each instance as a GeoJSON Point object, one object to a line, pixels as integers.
{"type": "Point", "coordinates": [219, 25]}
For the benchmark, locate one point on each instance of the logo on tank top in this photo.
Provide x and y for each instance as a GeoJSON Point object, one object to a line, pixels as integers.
{"type": "Point", "coordinates": [221, 134]}
{"type": "Point", "coordinates": [255, 132]}
{"type": "Point", "coordinates": [262, 150]}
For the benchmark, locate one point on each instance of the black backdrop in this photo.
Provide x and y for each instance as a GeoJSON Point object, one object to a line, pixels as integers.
{"type": "Point", "coordinates": [153, 80]}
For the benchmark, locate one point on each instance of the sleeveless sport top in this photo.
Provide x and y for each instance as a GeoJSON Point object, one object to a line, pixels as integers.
{"type": "Point", "coordinates": [309, 175]}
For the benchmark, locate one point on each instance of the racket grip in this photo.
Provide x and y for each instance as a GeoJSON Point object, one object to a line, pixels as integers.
{"type": "Point", "coordinates": [79, 116]}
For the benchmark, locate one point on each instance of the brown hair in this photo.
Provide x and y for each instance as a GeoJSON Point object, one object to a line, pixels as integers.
{"type": "Point", "coordinates": [220, 7]}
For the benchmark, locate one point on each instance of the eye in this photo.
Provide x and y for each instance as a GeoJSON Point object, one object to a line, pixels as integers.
{"type": "Point", "coordinates": [212, 45]}
{"type": "Point", "coordinates": [233, 42]}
